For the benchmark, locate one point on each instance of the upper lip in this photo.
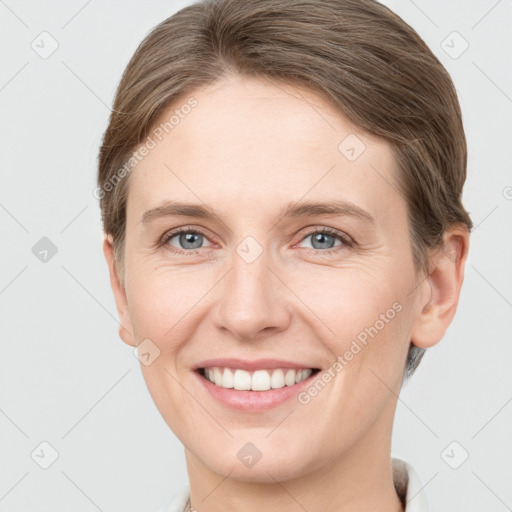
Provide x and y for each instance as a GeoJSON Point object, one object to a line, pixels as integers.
{"type": "Point", "coordinates": [250, 365]}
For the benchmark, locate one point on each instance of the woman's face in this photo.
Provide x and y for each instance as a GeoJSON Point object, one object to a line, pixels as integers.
{"type": "Point", "coordinates": [258, 280]}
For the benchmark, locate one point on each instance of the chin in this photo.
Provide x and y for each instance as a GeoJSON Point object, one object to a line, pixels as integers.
{"type": "Point", "coordinates": [267, 469]}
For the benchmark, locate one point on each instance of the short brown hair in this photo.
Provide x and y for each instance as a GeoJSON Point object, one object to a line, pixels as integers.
{"type": "Point", "coordinates": [357, 54]}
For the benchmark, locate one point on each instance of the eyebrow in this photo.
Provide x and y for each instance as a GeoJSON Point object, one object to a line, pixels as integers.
{"type": "Point", "coordinates": [336, 207]}
{"type": "Point", "coordinates": [291, 210]}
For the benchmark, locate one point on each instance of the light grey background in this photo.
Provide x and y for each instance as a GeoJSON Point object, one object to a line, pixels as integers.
{"type": "Point", "coordinates": [65, 376]}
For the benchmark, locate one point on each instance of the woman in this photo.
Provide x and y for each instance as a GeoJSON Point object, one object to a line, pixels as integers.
{"type": "Point", "coordinates": [281, 186]}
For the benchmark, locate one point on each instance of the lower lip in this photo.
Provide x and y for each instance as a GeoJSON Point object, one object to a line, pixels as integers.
{"type": "Point", "coordinates": [254, 401]}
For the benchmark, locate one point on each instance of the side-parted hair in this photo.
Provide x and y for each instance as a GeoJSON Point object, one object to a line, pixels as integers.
{"type": "Point", "coordinates": [357, 54]}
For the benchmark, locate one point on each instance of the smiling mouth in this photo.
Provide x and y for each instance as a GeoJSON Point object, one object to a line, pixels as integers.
{"type": "Point", "coordinates": [258, 380]}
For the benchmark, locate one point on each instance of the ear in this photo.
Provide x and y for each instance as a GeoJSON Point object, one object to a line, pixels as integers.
{"type": "Point", "coordinates": [125, 327]}
{"type": "Point", "coordinates": [441, 289]}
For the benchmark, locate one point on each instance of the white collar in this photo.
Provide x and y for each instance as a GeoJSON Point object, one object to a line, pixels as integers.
{"type": "Point", "coordinates": [408, 487]}
{"type": "Point", "coordinates": [406, 481]}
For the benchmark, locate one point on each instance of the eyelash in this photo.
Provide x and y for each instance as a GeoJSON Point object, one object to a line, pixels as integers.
{"type": "Point", "coordinates": [346, 241]}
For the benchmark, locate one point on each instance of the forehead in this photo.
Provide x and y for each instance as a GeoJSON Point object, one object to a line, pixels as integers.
{"type": "Point", "coordinates": [261, 144]}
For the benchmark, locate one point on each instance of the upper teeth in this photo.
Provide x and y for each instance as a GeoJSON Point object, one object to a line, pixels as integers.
{"type": "Point", "coordinates": [260, 380]}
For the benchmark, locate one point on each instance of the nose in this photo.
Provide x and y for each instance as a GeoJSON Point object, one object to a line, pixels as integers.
{"type": "Point", "coordinates": [253, 301]}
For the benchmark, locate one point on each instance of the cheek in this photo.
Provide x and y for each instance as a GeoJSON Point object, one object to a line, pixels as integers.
{"type": "Point", "coordinates": [362, 318]}
{"type": "Point", "coordinates": [347, 300]}
{"type": "Point", "coordinates": [163, 307]}
{"type": "Point", "coordinates": [368, 322]}
{"type": "Point", "coordinates": [160, 300]}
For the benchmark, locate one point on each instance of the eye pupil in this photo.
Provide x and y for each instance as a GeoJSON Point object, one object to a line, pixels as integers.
{"type": "Point", "coordinates": [190, 238]}
{"type": "Point", "coordinates": [321, 238]}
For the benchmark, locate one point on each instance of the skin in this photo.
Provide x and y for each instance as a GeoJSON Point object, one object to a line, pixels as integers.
{"type": "Point", "coordinates": [247, 150]}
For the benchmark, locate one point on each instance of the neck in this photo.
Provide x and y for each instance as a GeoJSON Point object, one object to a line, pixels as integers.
{"type": "Point", "coordinates": [357, 480]}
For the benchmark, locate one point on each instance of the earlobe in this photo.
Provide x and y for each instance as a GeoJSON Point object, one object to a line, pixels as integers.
{"type": "Point", "coordinates": [125, 326]}
{"type": "Point", "coordinates": [437, 307]}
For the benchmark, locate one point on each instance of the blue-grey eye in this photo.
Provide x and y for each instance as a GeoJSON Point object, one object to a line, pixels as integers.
{"type": "Point", "coordinates": [187, 240]}
{"type": "Point", "coordinates": [321, 240]}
